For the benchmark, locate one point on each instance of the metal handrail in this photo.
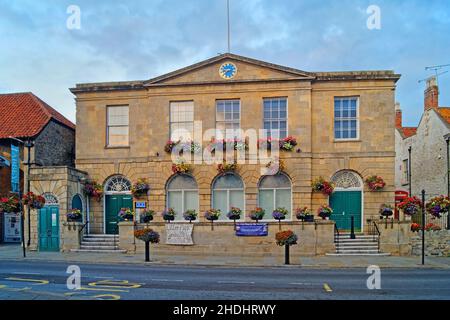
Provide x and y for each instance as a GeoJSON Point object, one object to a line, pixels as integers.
{"type": "Point", "coordinates": [378, 233]}
{"type": "Point", "coordinates": [82, 228]}
{"type": "Point", "coordinates": [336, 237]}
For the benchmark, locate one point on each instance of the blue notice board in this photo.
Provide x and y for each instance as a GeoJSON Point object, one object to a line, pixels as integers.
{"type": "Point", "coordinates": [252, 230]}
{"type": "Point", "coordinates": [15, 168]}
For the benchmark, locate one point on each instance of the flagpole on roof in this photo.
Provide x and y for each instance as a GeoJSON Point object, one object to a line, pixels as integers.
{"type": "Point", "coordinates": [228, 24]}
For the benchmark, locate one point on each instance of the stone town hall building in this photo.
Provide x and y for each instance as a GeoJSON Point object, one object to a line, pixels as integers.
{"type": "Point", "coordinates": [343, 123]}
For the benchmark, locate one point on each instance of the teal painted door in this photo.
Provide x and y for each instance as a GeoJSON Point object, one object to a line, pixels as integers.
{"type": "Point", "coordinates": [49, 229]}
{"type": "Point", "coordinates": [346, 204]}
{"type": "Point", "coordinates": [113, 204]}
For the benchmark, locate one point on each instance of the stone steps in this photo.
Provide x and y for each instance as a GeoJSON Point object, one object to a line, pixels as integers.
{"type": "Point", "coordinates": [362, 245]}
{"type": "Point", "coordinates": [98, 243]}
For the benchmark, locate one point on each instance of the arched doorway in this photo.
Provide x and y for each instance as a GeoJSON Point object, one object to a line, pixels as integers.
{"type": "Point", "coordinates": [117, 196]}
{"type": "Point", "coordinates": [48, 227]}
{"type": "Point", "coordinates": [346, 200]}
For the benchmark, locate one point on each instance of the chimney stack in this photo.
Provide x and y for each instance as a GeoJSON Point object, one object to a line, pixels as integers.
{"type": "Point", "coordinates": [431, 100]}
{"type": "Point", "coordinates": [398, 116]}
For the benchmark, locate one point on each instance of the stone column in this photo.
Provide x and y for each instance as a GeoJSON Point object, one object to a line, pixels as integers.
{"type": "Point", "coordinates": [71, 236]}
{"type": "Point", "coordinates": [126, 236]}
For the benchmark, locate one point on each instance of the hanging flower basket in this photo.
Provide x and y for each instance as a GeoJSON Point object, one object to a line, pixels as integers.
{"type": "Point", "coordinates": [375, 183]}
{"type": "Point", "coordinates": [187, 146]}
{"type": "Point", "coordinates": [169, 214]}
{"type": "Point", "coordinates": [94, 190]}
{"type": "Point", "coordinates": [280, 213]}
{"type": "Point", "coordinates": [324, 212]}
{"type": "Point", "coordinates": [257, 214]}
{"type": "Point", "coordinates": [147, 216]}
{"type": "Point", "coordinates": [321, 185]}
{"type": "Point", "coordinates": [140, 188]}
{"type": "Point", "coordinates": [275, 166]}
{"type": "Point", "coordinates": [438, 205]}
{"type": "Point", "coordinates": [415, 227]}
{"type": "Point", "coordinates": [74, 215]}
{"type": "Point", "coordinates": [212, 214]}
{"type": "Point", "coordinates": [181, 167]}
{"type": "Point", "coordinates": [287, 237]}
{"type": "Point", "coordinates": [126, 214]}
{"type": "Point", "coordinates": [148, 236]}
{"type": "Point", "coordinates": [304, 214]}
{"type": "Point", "coordinates": [286, 144]}
{"type": "Point", "coordinates": [34, 201]}
{"type": "Point", "coordinates": [223, 168]}
{"type": "Point", "coordinates": [234, 213]}
{"type": "Point", "coordinates": [432, 227]}
{"type": "Point", "coordinates": [386, 210]}
{"type": "Point", "coordinates": [190, 215]}
{"type": "Point", "coordinates": [410, 206]}
{"type": "Point", "coordinates": [10, 204]}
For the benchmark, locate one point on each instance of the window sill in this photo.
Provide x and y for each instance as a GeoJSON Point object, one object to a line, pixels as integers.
{"type": "Point", "coordinates": [346, 140]}
{"type": "Point", "coordinates": [117, 147]}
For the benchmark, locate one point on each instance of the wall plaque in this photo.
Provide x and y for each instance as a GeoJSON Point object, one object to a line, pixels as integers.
{"type": "Point", "coordinates": [179, 234]}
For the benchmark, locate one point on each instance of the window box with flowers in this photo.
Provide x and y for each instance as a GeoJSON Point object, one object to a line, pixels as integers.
{"type": "Point", "coordinates": [126, 214]}
{"type": "Point", "coordinates": [304, 214]}
{"type": "Point", "coordinates": [34, 201]}
{"type": "Point", "coordinates": [257, 214]}
{"type": "Point", "coordinates": [227, 145]}
{"type": "Point", "coordinates": [375, 183]}
{"type": "Point", "coordinates": [148, 236]}
{"type": "Point", "coordinates": [410, 206]}
{"type": "Point", "coordinates": [74, 215]}
{"type": "Point", "coordinates": [286, 144]}
{"type": "Point", "coordinates": [140, 188]}
{"type": "Point", "coordinates": [169, 215]}
{"type": "Point", "coordinates": [94, 190]}
{"type": "Point", "coordinates": [438, 205]}
{"type": "Point", "coordinates": [321, 185]}
{"type": "Point", "coordinates": [147, 216]}
{"type": "Point", "coordinates": [181, 147]}
{"type": "Point", "coordinates": [324, 212]}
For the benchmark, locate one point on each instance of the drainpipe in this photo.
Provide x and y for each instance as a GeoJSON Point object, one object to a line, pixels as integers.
{"type": "Point", "coordinates": [447, 140]}
{"type": "Point", "coordinates": [409, 171]}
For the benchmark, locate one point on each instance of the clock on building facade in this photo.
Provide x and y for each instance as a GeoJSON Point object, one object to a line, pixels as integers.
{"type": "Point", "coordinates": [228, 70]}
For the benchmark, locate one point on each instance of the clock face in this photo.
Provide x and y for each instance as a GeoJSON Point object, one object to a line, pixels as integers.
{"type": "Point", "coordinates": [227, 70]}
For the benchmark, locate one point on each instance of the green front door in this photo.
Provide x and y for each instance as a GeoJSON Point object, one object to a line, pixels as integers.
{"type": "Point", "coordinates": [113, 205]}
{"type": "Point", "coordinates": [49, 228]}
{"type": "Point", "coordinates": [346, 204]}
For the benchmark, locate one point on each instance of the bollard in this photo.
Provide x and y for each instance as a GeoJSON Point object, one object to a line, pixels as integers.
{"type": "Point", "coordinates": [352, 232]}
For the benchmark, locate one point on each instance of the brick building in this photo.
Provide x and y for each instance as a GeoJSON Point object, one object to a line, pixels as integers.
{"type": "Point", "coordinates": [26, 117]}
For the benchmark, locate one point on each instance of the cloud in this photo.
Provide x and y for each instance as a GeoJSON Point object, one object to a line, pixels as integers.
{"type": "Point", "coordinates": [142, 39]}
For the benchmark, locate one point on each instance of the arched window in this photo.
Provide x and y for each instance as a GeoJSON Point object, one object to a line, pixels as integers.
{"type": "Point", "coordinates": [50, 199]}
{"type": "Point", "coordinates": [77, 203]}
{"type": "Point", "coordinates": [275, 192]}
{"type": "Point", "coordinates": [182, 195]}
{"type": "Point", "coordinates": [227, 192]}
{"type": "Point", "coordinates": [118, 184]}
{"type": "Point", "coordinates": [346, 179]}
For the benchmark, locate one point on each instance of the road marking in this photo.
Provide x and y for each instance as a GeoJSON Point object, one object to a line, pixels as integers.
{"type": "Point", "coordinates": [301, 283]}
{"type": "Point", "coordinates": [327, 287]}
{"type": "Point", "coordinates": [38, 282]}
{"type": "Point", "coordinates": [119, 284]}
{"type": "Point", "coordinates": [27, 273]}
{"type": "Point", "coordinates": [102, 277]}
{"type": "Point", "coordinates": [235, 282]}
{"type": "Point", "coordinates": [106, 289]}
{"type": "Point", "coordinates": [111, 296]}
{"type": "Point", "coordinates": [167, 280]}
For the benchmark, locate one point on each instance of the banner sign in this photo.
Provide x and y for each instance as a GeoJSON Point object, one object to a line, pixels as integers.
{"type": "Point", "coordinates": [179, 234]}
{"type": "Point", "coordinates": [15, 168]}
{"type": "Point", "coordinates": [252, 229]}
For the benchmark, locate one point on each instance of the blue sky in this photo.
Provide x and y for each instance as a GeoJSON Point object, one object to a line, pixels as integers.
{"type": "Point", "coordinates": [136, 40]}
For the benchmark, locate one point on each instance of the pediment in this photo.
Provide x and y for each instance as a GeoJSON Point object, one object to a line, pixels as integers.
{"type": "Point", "coordinates": [247, 70]}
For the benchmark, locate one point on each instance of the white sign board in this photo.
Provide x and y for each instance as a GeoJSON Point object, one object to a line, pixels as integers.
{"type": "Point", "coordinates": [179, 234]}
{"type": "Point", "coordinates": [12, 227]}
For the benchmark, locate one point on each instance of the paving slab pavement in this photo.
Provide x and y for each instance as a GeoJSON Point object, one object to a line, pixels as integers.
{"type": "Point", "coordinates": [14, 252]}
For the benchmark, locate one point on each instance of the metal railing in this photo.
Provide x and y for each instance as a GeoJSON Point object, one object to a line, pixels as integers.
{"type": "Point", "coordinates": [83, 227]}
{"type": "Point", "coordinates": [373, 230]}
{"type": "Point", "coordinates": [441, 222]}
{"type": "Point", "coordinates": [336, 237]}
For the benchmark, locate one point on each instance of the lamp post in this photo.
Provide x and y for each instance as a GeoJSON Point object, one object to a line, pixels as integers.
{"type": "Point", "coordinates": [29, 144]}
{"type": "Point", "coordinates": [447, 140]}
{"type": "Point", "coordinates": [409, 171]}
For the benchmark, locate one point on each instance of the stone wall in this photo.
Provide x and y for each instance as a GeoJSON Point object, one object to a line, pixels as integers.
{"type": "Point", "coordinates": [63, 183]}
{"type": "Point", "coordinates": [55, 146]}
{"type": "Point", "coordinates": [437, 243]}
{"type": "Point", "coordinates": [314, 239]}
{"type": "Point", "coordinates": [395, 237]}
